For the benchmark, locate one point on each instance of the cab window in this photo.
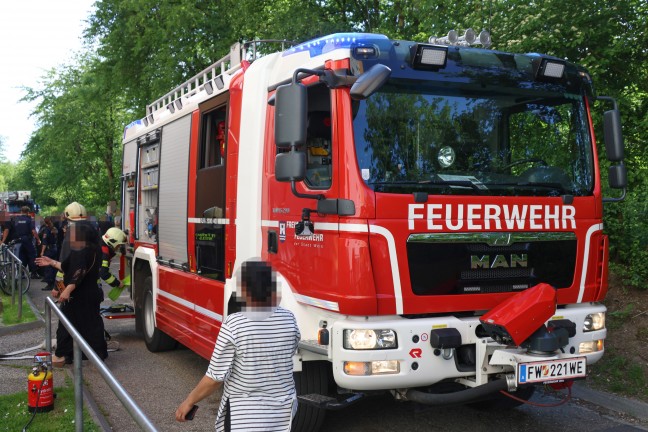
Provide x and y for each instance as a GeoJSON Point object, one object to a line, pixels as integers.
{"type": "Point", "coordinates": [318, 138]}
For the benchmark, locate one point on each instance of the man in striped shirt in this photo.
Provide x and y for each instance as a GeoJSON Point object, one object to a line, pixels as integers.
{"type": "Point", "coordinates": [253, 358]}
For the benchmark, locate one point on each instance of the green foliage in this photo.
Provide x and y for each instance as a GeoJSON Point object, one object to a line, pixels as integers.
{"type": "Point", "coordinates": [6, 168]}
{"type": "Point", "coordinates": [75, 154]}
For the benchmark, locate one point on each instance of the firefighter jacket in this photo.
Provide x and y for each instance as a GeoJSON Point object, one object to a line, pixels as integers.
{"type": "Point", "coordinates": [104, 272]}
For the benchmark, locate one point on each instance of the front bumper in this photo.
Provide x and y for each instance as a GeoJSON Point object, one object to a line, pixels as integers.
{"type": "Point", "coordinates": [422, 365]}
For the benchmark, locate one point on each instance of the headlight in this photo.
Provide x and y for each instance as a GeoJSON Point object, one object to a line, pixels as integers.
{"type": "Point", "coordinates": [362, 339]}
{"type": "Point", "coordinates": [590, 347]}
{"type": "Point", "coordinates": [595, 321]}
{"type": "Point", "coordinates": [386, 367]}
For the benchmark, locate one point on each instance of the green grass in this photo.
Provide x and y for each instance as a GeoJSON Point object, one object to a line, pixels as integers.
{"type": "Point", "coordinates": [617, 373]}
{"type": "Point", "coordinates": [10, 312]}
{"type": "Point", "coordinates": [14, 414]}
{"type": "Point", "coordinates": [618, 318]}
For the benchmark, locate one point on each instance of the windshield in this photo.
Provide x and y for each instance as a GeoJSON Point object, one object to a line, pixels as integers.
{"type": "Point", "coordinates": [495, 141]}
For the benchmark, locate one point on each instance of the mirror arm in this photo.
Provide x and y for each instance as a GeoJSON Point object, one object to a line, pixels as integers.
{"type": "Point", "coordinates": [332, 79]}
{"type": "Point", "coordinates": [306, 73]}
{"type": "Point", "coordinates": [613, 200]}
{"type": "Point", "coordinates": [609, 99]}
{"type": "Point", "coordinates": [301, 195]}
{"type": "Point", "coordinates": [335, 80]}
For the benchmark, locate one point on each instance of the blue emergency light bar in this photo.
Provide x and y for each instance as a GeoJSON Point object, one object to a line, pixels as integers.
{"type": "Point", "coordinates": [335, 41]}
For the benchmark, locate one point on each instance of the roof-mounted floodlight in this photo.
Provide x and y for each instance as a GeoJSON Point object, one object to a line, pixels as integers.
{"type": "Point", "coordinates": [209, 88]}
{"type": "Point", "coordinates": [178, 103]}
{"type": "Point", "coordinates": [551, 69]}
{"type": "Point", "coordinates": [429, 57]}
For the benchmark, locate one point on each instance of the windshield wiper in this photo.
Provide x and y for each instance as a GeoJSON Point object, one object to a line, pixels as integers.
{"type": "Point", "coordinates": [558, 187]}
{"type": "Point", "coordinates": [430, 183]}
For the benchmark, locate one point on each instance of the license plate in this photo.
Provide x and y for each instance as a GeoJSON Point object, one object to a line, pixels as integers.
{"type": "Point", "coordinates": [552, 370]}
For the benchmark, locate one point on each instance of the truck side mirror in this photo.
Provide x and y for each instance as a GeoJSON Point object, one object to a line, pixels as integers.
{"type": "Point", "coordinates": [291, 106]}
{"type": "Point", "coordinates": [618, 176]}
{"type": "Point", "coordinates": [290, 166]}
{"type": "Point", "coordinates": [370, 81]}
{"type": "Point", "coordinates": [613, 136]}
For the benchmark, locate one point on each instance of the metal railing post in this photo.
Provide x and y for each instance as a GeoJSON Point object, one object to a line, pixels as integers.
{"type": "Point", "coordinates": [78, 387]}
{"type": "Point", "coordinates": [13, 279]}
{"type": "Point", "coordinates": [20, 293]}
{"type": "Point", "coordinates": [48, 329]}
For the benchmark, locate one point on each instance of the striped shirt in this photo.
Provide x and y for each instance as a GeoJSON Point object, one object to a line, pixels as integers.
{"type": "Point", "coordinates": [253, 356]}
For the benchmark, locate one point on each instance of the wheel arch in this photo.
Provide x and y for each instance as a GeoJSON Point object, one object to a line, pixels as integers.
{"type": "Point", "coordinates": [144, 265]}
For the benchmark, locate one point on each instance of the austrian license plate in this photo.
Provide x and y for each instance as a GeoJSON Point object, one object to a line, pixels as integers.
{"type": "Point", "coordinates": [551, 370]}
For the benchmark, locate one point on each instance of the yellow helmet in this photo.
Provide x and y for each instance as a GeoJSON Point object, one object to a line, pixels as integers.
{"type": "Point", "coordinates": [114, 237]}
{"type": "Point", "coordinates": [75, 211]}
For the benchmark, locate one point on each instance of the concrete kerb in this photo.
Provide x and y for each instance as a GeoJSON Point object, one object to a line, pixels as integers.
{"type": "Point", "coordinates": [630, 407]}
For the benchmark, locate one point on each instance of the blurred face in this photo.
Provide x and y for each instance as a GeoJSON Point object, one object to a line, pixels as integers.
{"type": "Point", "coordinates": [77, 238]}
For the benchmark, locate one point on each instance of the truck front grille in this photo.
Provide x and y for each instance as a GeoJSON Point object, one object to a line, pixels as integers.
{"type": "Point", "coordinates": [479, 263]}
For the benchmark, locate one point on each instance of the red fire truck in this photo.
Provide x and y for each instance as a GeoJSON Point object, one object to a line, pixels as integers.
{"type": "Point", "coordinates": [433, 212]}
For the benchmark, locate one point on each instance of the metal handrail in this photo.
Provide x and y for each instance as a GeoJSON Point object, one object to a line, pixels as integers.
{"type": "Point", "coordinates": [15, 263]}
{"type": "Point", "coordinates": [81, 345]}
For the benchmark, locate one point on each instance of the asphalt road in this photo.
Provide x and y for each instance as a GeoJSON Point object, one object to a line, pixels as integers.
{"type": "Point", "coordinates": [158, 382]}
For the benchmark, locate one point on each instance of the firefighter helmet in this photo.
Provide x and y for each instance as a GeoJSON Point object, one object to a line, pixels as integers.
{"type": "Point", "coordinates": [114, 237]}
{"type": "Point", "coordinates": [75, 211]}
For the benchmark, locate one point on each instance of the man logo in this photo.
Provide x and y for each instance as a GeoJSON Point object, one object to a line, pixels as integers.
{"type": "Point", "coordinates": [499, 261]}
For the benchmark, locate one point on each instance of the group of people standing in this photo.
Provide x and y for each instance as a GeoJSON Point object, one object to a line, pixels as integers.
{"type": "Point", "coordinates": [259, 389]}
{"type": "Point", "coordinates": [80, 260]}
{"type": "Point", "coordinates": [20, 231]}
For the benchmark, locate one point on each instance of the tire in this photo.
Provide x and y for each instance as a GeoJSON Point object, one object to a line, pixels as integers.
{"type": "Point", "coordinates": [504, 403]}
{"type": "Point", "coordinates": [156, 340]}
{"type": "Point", "coordinates": [312, 379]}
{"type": "Point", "coordinates": [5, 279]}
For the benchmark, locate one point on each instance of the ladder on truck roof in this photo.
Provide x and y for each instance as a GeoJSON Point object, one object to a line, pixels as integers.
{"type": "Point", "coordinates": [213, 75]}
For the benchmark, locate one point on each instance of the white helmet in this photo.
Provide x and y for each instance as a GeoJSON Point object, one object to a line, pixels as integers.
{"type": "Point", "coordinates": [75, 211]}
{"type": "Point", "coordinates": [114, 237]}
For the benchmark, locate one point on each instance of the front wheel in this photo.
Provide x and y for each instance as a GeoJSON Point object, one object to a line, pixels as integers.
{"type": "Point", "coordinates": [312, 379]}
{"type": "Point", "coordinates": [156, 340]}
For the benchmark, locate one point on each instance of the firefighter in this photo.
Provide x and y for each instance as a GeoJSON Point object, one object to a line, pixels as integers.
{"type": "Point", "coordinates": [24, 231]}
{"type": "Point", "coordinates": [49, 249]}
{"type": "Point", "coordinates": [113, 239]}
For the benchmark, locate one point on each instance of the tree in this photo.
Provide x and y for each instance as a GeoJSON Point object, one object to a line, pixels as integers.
{"type": "Point", "coordinates": [6, 168]}
{"type": "Point", "coordinates": [79, 113]}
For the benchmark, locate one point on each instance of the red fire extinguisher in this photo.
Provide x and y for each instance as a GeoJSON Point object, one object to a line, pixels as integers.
{"type": "Point", "coordinates": [40, 384]}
